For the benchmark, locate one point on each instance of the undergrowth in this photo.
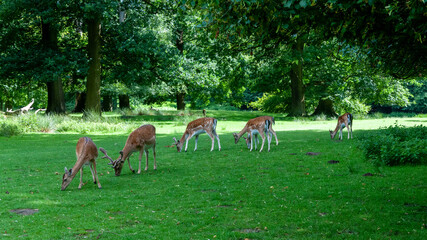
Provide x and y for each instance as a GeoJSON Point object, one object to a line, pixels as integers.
{"type": "Point", "coordinates": [396, 145]}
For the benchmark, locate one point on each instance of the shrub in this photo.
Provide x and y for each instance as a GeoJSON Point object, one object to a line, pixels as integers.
{"type": "Point", "coordinates": [270, 103]}
{"type": "Point", "coordinates": [8, 129]}
{"type": "Point", "coordinates": [396, 145]}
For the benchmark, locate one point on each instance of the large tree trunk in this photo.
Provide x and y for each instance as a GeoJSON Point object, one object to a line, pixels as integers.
{"type": "Point", "coordinates": [80, 102]}
{"type": "Point", "coordinates": [297, 107]}
{"type": "Point", "coordinates": [93, 84]}
{"type": "Point", "coordinates": [55, 97]}
{"type": "Point", "coordinates": [55, 91]}
{"type": "Point", "coordinates": [180, 96]}
{"type": "Point", "coordinates": [124, 102]}
{"type": "Point", "coordinates": [325, 107]}
{"type": "Point", "coordinates": [180, 103]}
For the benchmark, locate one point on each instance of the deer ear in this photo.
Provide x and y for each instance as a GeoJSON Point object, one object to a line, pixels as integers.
{"type": "Point", "coordinates": [121, 154]}
{"type": "Point", "coordinates": [65, 169]}
{"type": "Point", "coordinates": [176, 142]}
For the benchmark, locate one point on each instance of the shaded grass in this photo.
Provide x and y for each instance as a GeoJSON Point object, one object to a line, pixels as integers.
{"type": "Point", "coordinates": [232, 194]}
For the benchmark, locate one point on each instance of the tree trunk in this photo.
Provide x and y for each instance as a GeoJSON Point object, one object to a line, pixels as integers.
{"type": "Point", "coordinates": [107, 103]}
{"type": "Point", "coordinates": [297, 107]}
{"type": "Point", "coordinates": [80, 102]}
{"type": "Point", "coordinates": [180, 96]}
{"type": "Point", "coordinates": [180, 103]}
{"type": "Point", "coordinates": [93, 84]}
{"type": "Point", "coordinates": [55, 97]}
{"type": "Point", "coordinates": [124, 102]}
{"type": "Point", "coordinates": [55, 91]}
{"type": "Point", "coordinates": [325, 107]}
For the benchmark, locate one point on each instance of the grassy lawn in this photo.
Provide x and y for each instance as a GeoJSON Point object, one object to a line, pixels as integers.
{"type": "Point", "coordinates": [232, 194]}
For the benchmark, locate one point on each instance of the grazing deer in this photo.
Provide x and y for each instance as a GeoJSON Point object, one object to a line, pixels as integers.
{"type": "Point", "coordinates": [86, 152]}
{"type": "Point", "coordinates": [141, 139]}
{"type": "Point", "coordinates": [194, 129]}
{"type": "Point", "coordinates": [271, 131]}
{"type": "Point", "coordinates": [345, 120]}
{"type": "Point", "coordinates": [255, 126]}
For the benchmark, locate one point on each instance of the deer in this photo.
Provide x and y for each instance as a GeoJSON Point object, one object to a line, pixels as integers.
{"type": "Point", "coordinates": [255, 126]}
{"type": "Point", "coordinates": [271, 131]}
{"type": "Point", "coordinates": [86, 153]}
{"type": "Point", "coordinates": [346, 120]}
{"type": "Point", "coordinates": [194, 129]}
{"type": "Point", "coordinates": [141, 139]}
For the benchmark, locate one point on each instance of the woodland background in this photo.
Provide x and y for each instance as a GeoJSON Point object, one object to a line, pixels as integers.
{"type": "Point", "coordinates": [295, 57]}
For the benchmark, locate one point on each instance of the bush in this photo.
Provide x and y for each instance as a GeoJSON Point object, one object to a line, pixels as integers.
{"type": "Point", "coordinates": [396, 145]}
{"type": "Point", "coordinates": [8, 129]}
{"type": "Point", "coordinates": [270, 103]}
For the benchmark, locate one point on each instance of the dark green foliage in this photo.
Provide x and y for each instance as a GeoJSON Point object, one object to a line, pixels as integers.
{"type": "Point", "coordinates": [396, 145]}
{"type": "Point", "coordinates": [8, 129]}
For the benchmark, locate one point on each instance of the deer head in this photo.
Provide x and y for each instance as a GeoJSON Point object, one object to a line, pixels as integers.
{"type": "Point", "coordinates": [116, 164]}
{"type": "Point", "coordinates": [66, 178]}
{"type": "Point", "coordinates": [248, 141]}
{"type": "Point", "coordinates": [332, 134]}
{"type": "Point", "coordinates": [178, 144]}
{"type": "Point", "coordinates": [236, 138]}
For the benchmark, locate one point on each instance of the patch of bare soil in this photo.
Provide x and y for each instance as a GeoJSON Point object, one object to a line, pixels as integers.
{"type": "Point", "coordinates": [313, 153]}
{"type": "Point", "coordinates": [24, 211]}
{"type": "Point", "coordinates": [248, 230]}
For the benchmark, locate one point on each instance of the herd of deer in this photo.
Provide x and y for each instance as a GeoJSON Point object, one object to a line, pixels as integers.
{"type": "Point", "coordinates": [144, 138]}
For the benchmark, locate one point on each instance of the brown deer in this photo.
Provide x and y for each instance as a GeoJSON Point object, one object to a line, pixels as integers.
{"type": "Point", "coordinates": [271, 131]}
{"type": "Point", "coordinates": [345, 120]}
{"type": "Point", "coordinates": [86, 152]}
{"type": "Point", "coordinates": [194, 129]}
{"type": "Point", "coordinates": [141, 139]}
{"type": "Point", "coordinates": [253, 127]}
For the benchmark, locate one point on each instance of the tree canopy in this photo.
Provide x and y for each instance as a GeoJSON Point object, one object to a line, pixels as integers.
{"type": "Point", "coordinates": [299, 57]}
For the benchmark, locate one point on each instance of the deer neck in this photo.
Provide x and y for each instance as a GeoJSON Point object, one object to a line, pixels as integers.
{"type": "Point", "coordinates": [241, 133]}
{"type": "Point", "coordinates": [184, 137]}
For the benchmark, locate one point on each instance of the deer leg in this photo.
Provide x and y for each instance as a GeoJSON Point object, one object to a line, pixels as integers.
{"type": "Point", "coordinates": [274, 133]}
{"type": "Point", "coordinates": [252, 141]}
{"type": "Point", "coordinates": [140, 158]}
{"type": "Point", "coordinates": [146, 160]}
{"type": "Point", "coordinates": [217, 138]}
{"type": "Point", "coordinates": [196, 140]}
{"type": "Point", "coordinates": [81, 178]}
{"type": "Point", "coordinates": [256, 141]}
{"type": "Point", "coordinates": [95, 175]}
{"type": "Point", "coordinates": [213, 140]}
{"type": "Point", "coordinates": [263, 140]}
{"type": "Point", "coordinates": [130, 167]}
{"type": "Point", "coordinates": [348, 130]}
{"type": "Point", "coordinates": [186, 142]}
{"type": "Point", "coordinates": [91, 171]}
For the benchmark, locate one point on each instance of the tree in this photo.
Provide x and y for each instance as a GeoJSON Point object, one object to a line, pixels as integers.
{"type": "Point", "coordinates": [264, 26]}
{"type": "Point", "coordinates": [93, 84]}
{"type": "Point", "coordinates": [392, 32]}
{"type": "Point", "coordinates": [26, 49]}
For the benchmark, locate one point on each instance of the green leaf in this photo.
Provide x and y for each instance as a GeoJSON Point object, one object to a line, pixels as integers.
{"type": "Point", "coordinates": [303, 3]}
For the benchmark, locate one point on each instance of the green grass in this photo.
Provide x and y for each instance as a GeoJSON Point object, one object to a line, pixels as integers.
{"type": "Point", "coordinates": [232, 194]}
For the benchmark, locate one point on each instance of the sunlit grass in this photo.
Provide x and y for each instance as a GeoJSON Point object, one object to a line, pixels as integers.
{"type": "Point", "coordinates": [232, 194]}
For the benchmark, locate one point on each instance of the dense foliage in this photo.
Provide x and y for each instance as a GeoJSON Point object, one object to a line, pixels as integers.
{"type": "Point", "coordinates": [289, 56]}
{"type": "Point", "coordinates": [396, 145]}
